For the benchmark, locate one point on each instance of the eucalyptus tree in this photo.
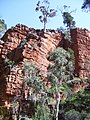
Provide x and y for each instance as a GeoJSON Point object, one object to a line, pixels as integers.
{"type": "Point", "coordinates": [59, 73]}
{"type": "Point", "coordinates": [68, 19]}
{"type": "Point", "coordinates": [31, 91]}
{"type": "Point", "coordinates": [36, 91]}
{"type": "Point", "coordinates": [47, 12]}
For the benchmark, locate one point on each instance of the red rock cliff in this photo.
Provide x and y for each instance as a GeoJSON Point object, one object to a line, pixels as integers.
{"type": "Point", "coordinates": [81, 47]}
{"type": "Point", "coordinates": [23, 44]}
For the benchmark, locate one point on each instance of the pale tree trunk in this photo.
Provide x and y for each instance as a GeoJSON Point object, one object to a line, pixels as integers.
{"type": "Point", "coordinates": [45, 22]}
{"type": "Point", "coordinates": [58, 98]}
{"type": "Point", "coordinates": [44, 26]}
{"type": "Point", "coordinates": [57, 104]}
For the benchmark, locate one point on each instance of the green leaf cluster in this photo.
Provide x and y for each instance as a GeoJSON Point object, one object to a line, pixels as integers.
{"type": "Point", "coordinates": [86, 5]}
{"type": "Point", "coordinates": [62, 64]}
{"type": "Point", "coordinates": [32, 77]}
{"type": "Point", "coordinates": [68, 20]}
{"type": "Point", "coordinates": [3, 26]}
{"type": "Point", "coordinates": [42, 113]}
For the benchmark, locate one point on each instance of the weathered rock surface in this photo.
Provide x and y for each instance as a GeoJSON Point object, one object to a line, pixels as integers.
{"type": "Point", "coordinates": [23, 44]}
{"type": "Point", "coordinates": [81, 47]}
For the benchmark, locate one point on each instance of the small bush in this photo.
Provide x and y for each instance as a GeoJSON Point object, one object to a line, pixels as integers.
{"type": "Point", "coordinates": [73, 115]}
{"type": "Point", "coordinates": [87, 117]}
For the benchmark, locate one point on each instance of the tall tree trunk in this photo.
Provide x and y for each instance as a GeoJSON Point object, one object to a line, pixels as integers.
{"type": "Point", "coordinates": [44, 26]}
{"type": "Point", "coordinates": [57, 104]}
{"type": "Point", "coordinates": [45, 21]}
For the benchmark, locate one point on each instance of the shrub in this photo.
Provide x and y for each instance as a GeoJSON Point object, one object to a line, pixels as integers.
{"type": "Point", "coordinates": [73, 115]}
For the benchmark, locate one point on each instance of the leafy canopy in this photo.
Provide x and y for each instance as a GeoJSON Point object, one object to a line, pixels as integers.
{"type": "Point", "coordinates": [44, 8]}
{"type": "Point", "coordinates": [68, 19]}
{"type": "Point", "coordinates": [32, 77]}
{"type": "Point", "coordinates": [86, 5]}
{"type": "Point", "coordinates": [63, 64]}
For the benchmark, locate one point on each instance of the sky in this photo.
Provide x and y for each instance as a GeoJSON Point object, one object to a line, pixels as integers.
{"type": "Point", "coordinates": [23, 12]}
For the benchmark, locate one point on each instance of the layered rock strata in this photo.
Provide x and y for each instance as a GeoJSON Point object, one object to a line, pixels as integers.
{"type": "Point", "coordinates": [81, 47]}
{"type": "Point", "coordinates": [20, 44]}
{"type": "Point", "coordinates": [23, 44]}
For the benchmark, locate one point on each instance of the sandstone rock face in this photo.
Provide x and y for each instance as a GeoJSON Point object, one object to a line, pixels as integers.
{"type": "Point", "coordinates": [23, 44]}
{"type": "Point", "coordinates": [81, 47]}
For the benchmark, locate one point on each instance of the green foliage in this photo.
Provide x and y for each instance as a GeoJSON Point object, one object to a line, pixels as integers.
{"type": "Point", "coordinates": [87, 117]}
{"type": "Point", "coordinates": [59, 73]}
{"type": "Point", "coordinates": [81, 100]}
{"type": "Point", "coordinates": [46, 11]}
{"type": "Point", "coordinates": [32, 77]}
{"type": "Point", "coordinates": [71, 52]}
{"type": "Point", "coordinates": [80, 103]}
{"type": "Point", "coordinates": [76, 115]}
{"type": "Point", "coordinates": [73, 115]}
{"type": "Point", "coordinates": [33, 83]}
{"type": "Point", "coordinates": [42, 113]}
{"type": "Point", "coordinates": [86, 5]}
{"type": "Point", "coordinates": [62, 65]}
{"type": "Point", "coordinates": [3, 113]}
{"type": "Point", "coordinates": [9, 63]}
{"type": "Point", "coordinates": [3, 26]}
{"type": "Point", "coordinates": [59, 56]}
{"type": "Point", "coordinates": [61, 69]}
{"type": "Point", "coordinates": [67, 35]}
{"type": "Point", "coordinates": [39, 92]}
{"type": "Point", "coordinates": [68, 20]}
